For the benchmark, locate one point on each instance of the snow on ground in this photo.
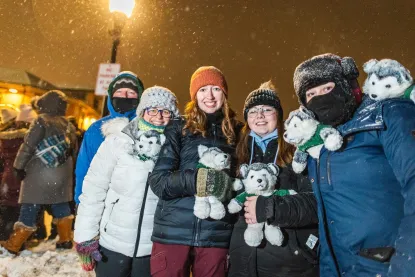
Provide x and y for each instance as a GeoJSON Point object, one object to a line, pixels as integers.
{"type": "Point", "coordinates": [43, 261]}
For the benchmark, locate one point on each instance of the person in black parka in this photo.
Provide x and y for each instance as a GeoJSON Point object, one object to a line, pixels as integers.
{"type": "Point", "coordinates": [261, 142]}
{"type": "Point", "coordinates": [181, 241]}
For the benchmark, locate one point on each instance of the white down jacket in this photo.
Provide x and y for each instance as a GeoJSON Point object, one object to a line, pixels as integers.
{"type": "Point", "coordinates": [114, 193]}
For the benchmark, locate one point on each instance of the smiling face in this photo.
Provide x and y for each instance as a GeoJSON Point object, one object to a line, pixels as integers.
{"type": "Point", "coordinates": [262, 119]}
{"type": "Point", "coordinates": [159, 119]}
{"type": "Point", "coordinates": [210, 98]}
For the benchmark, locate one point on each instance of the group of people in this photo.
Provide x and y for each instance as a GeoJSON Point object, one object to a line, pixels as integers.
{"type": "Point", "coordinates": [352, 213]}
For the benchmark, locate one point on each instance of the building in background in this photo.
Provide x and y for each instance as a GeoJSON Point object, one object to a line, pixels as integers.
{"type": "Point", "coordinates": [19, 86]}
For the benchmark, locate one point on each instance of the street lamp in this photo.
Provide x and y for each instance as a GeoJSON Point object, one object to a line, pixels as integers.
{"type": "Point", "coordinates": [121, 10]}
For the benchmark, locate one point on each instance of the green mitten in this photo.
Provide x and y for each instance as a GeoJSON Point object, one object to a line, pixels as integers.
{"type": "Point", "coordinates": [212, 182]}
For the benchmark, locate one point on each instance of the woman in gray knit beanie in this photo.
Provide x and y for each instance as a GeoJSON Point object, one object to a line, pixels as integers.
{"type": "Point", "coordinates": [116, 210]}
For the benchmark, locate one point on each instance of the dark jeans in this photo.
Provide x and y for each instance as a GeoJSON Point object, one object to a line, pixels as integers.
{"type": "Point", "coordinates": [29, 212]}
{"type": "Point", "coordinates": [114, 264]}
{"type": "Point", "coordinates": [8, 216]}
{"type": "Point", "coordinates": [172, 260]}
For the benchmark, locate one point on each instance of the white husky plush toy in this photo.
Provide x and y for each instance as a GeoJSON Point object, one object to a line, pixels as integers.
{"type": "Point", "coordinates": [210, 206]}
{"type": "Point", "coordinates": [147, 146]}
{"type": "Point", "coordinates": [259, 179]}
{"type": "Point", "coordinates": [388, 79]}
{"type": "Point", "coordinates": [309, 136]}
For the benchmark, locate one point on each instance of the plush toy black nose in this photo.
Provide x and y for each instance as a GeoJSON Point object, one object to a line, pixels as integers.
{"type": "Point", "coordinates": [285, 135]}
{"type": "Point", "coordinates": [373, 95]}
{"type": "Point", "coordinates": [259, 181]}
{"type": "Point", "coordinates": [226, 156]}
{"type": "Point", "coordinates": [140, 146]}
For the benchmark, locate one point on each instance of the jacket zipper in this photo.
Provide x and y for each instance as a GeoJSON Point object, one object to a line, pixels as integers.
{"type": "Point", "coordinates": [112, 209]}
{"type": "Point", "coordinates": [140, 221]}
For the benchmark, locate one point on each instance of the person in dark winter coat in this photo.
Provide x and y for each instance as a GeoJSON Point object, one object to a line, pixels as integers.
{"type": "Point", "coordinates": [116, 211]}
{"type": "Point", "coordinates": [181, 240]}
{"type": "Point", "coordinates": [124, 94]}
{"type": "Point", "coordinates": [296, 215]}
{"type": "Point", "coordinates": [366, 190]}
{"type": "Point", "coordinates": [44, 164]}
{"type": "Point", "coordinates": [10, 140]}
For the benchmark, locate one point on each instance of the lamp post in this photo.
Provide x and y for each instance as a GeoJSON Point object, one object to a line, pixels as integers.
{"type": "Point", "coordinates": [120, 10]}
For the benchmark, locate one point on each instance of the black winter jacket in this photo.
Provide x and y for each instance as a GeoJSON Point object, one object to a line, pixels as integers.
{"type": "Point", "coordinates": [297, 217]}
{"type": "Point", "coordinates": [173, 180]}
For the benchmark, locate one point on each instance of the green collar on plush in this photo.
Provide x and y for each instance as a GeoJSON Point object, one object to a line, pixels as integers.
{"type": "Point", "coordinates": [146, 126]}
{"type": "Point", "coordinates": [241, 198]}
{"type": "Point", "coordinates": [315, 139]}
{"type": "Point", "coordinates": [144, 157]}
{"type": "Point", "coordinates": [407, 93]}
{"type": "Point", "coordinates": [200, 165]}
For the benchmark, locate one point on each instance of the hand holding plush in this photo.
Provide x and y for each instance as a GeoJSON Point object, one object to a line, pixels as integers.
{"type": "Point", "coordinates": [259, 179]}
{"type": "Point", "coordinates": [214, 186]}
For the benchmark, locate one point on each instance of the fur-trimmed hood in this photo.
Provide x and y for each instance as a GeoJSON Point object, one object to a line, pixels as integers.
{"type": "Point", "coordinates": [114, 126]}
{"type": "Point", "coordinates": [13, 134]}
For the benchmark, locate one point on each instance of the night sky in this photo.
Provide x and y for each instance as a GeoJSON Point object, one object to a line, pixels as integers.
{"type": "Point", "coordinates": [165, 41]}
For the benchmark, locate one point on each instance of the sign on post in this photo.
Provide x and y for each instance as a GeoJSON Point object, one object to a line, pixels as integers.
{"type": "Point", "coordinates": [106, 72]}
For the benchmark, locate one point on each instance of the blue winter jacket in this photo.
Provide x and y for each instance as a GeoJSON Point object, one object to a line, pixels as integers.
{"type": "Point", "coordinates": [366, 192]}
{"type": "Point", "coordinates": [90, 144]}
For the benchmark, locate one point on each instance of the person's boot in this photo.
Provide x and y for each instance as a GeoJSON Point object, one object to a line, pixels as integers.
{"type": "Point", "coordinates": [64, 226]}
{"type": "Point", "coordinates": [20, 234]}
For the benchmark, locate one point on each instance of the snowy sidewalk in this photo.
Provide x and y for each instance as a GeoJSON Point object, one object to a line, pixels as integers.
{"type": "Point", "coordinates": [43, 261]}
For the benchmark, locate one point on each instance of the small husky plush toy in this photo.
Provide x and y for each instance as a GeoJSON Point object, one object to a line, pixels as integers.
{"type": "Point", "coordinates": [147, 146]}
{"type": "Point", "coordinates": [388, 79]}
{"type": "Point", "coordinates": [210, 206]}
{"type": "Point", "coordinates": [259, 179]}
{"type": "Point", "coordinates": [309, 136]}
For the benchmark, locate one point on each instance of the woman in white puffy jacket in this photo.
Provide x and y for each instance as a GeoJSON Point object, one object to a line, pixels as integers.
{"type": "Point", "coordinates": [114, 221]}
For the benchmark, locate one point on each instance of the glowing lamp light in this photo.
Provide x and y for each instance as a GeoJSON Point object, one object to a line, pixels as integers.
{"type": "Point", "coordinates": [13, 90]}
{"type": "Point", "coordinates": [124, 6]}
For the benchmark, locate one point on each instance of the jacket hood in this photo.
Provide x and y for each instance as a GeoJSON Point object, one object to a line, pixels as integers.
{"type": "Point", "coordinates": [53, 102]}
{"type": "Point", "coordinates": [121, 75]}
{"type": "Point", "coordinates": [114, 126]}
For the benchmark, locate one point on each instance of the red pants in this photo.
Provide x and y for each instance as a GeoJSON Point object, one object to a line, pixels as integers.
{"type": "Point", "coordinates": [176, 260]}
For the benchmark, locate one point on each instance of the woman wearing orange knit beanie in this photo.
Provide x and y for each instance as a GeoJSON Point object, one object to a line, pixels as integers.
{"type": "Point", "coordinates": [181, 240]}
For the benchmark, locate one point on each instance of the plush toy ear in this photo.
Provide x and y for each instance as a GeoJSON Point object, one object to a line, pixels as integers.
{"type": "Point", "coordinates": [368, 66]}
{"type": "Point", "coordinates": [162, 139]}
{"type": "Point", "coordinates": [202, 149]}
{"type": "Point", "coordinates": [307, 112]}
{"type": "Point", "coordinates": [274, 169]}
{"type": "Point", "coordinates": [139, 133]}
{"type": "Point", "coordinates": [349, 67]}
{"type": "Point", "coordinates": [243, 170]}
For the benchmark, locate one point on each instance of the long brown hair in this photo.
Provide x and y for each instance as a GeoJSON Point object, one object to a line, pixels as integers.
{"type": "Point", "coordinates": [285, 153]}
{"type": "Point", "coordinates": [196, 121]}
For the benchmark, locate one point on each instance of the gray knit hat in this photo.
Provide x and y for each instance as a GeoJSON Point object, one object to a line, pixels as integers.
{"type": "Point", "coordinates": [323, 69]}
{"type": "Point", "coordinates": [264, 95]}
{"type": "Point", "coordinates": [158, 96]}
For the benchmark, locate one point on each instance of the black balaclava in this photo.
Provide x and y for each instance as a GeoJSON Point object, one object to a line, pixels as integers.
{"type": "Point", "coordinates": [337, 106]}
{"type": "Point", "coordinates": [123, 105]}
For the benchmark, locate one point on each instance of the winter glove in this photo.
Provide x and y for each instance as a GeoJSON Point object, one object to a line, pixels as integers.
{"type": "Point", "coordinates": [88, 253]}
{"type": "Point", "coordinates": [19, 173]}
{"type": "Point", "coordinates": [212, 182]}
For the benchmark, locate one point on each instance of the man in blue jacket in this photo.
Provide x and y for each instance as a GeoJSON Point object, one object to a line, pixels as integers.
{"type": "Point", "coordinates": [124, 94]}
{"type": "Point", "coordinates": [366, 190]}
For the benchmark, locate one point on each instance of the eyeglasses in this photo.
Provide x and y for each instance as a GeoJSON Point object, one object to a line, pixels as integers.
{"type": "Point", "coordinates": [164, 113]}
{"type": "Point", "coordinates": [265, 111]}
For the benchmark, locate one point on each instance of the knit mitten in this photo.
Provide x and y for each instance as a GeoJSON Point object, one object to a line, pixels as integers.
{"type": "Point", "coordinates": [212, 182]}
{"type": "Point", "coordinates": [88, 254]}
